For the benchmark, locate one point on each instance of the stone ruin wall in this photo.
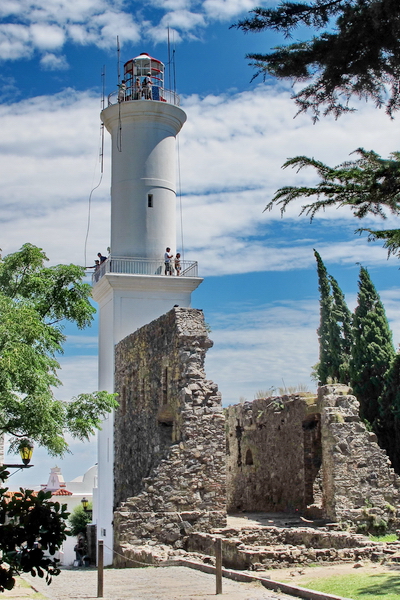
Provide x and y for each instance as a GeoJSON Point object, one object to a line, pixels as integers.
{"type": "Point", "coordinates": [169, 440]}
{"type": "Point", "coordinates": [265, 464]}
{"type": "Point", "coordinates": [312, 455]}
{"type": "Point", "coordinates": [358, 481]}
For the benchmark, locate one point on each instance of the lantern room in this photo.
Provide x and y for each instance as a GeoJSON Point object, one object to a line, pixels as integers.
{"type": "Point", "coordinates": [144, 80]}
{"type": "Point", "coordinates": [144, 66]}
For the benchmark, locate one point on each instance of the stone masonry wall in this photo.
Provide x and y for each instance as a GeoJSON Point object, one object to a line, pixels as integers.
{"type": "Point", "coordinates": [358, 482]}
{"type": "Point", "coordinates": [312, 455]}
{"type": "Point", "coordinates": [265, 455]}
{"type": "Point", "coordinates": [169, 434]}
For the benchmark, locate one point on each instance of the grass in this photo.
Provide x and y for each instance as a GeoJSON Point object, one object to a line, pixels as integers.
{"type": "Point", "coordinates": [27, 595]}
{"type": "Point", "coordinates": [359, 586]}
{"type": "Point", "coordinates": [389, 537]}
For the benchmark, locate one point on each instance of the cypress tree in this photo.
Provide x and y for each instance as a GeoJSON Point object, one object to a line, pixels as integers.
{"type": "Point", "coordinates": [387, 426]}
{"type": "Point", "coordinates": [372, 351]}
{"type": "Point", "coordinates": [342, 331]}
{"type": "Point", "coordinates": [334, 332]}
{"type": "Point", "coordinates": [324, 367]}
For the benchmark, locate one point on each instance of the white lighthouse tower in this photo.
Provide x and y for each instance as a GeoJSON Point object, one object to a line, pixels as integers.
{"type": "Point", "coordinates": [133, 287]}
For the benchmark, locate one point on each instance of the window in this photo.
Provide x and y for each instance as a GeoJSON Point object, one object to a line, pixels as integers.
{"type": "Point", "coordinates": [150, 200]}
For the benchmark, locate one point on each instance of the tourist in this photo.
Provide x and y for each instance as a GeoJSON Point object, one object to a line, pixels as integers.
{"type": "Point", "coordinates": [178, 264]}
{"type": "Point", "coordinates": [167, 262]}
{"type": "Point", "coordinates": [121, 91]}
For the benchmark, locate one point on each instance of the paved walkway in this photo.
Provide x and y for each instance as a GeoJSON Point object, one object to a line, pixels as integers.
{"type": "Point", "coordinates": [163, 583]}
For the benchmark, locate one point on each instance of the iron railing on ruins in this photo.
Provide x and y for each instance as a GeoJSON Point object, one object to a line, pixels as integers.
{"type": "Point", "coordinates": [143, 266]}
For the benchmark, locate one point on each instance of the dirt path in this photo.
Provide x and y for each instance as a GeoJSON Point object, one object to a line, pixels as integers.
{"type": "Point", "coordinates": [164, 583]}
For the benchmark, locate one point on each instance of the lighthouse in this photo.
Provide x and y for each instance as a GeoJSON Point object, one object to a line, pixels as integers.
{"type": "Point", "coordinates": [138, 282]}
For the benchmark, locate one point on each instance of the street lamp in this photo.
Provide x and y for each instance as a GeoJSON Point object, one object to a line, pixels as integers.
{"type": "Point", "coordinates": [25, 448]}
{"type": "Point", "coordinates": [85, 504]}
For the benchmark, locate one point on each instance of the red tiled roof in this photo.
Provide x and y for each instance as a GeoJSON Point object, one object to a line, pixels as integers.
{"type": "Point", "coordinates": [61, 493]}
{"type": "Point", "coordinates": [8, 495]}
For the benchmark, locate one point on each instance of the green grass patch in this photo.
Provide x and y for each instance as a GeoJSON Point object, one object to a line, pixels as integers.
{"type": "Point", "coordinates": [390, 537]}
{"type": "Point", "coordinates": [359, 586]}
{"type": "Point", "coordinates": [21, 583]}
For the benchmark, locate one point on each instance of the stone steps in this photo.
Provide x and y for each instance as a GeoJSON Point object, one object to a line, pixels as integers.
{"type": "Point", "coordinates": [249, 550]}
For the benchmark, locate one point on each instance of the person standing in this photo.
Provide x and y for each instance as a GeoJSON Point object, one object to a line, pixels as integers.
{"type": "Point", "coordinates": [138, 89]}
{"type": "Point", "coordinates": [167, 261]}
{"type": "Point", "coordinates": [146, 87]}
{"type": "Point", "coordinates": [178, 264]}
{"type": "Point", "coordinates": [121, 91]}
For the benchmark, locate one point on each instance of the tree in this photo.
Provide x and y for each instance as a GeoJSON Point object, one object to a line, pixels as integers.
{"type": "Point", "coordinates": [387, 425]}
{"type": "Point", "coordinates": [79, 518]}
{"type": "Point", "coordinates": [31, 528]}
{"type": "Point", "coordinates": [334, 332]}
{"type": "Point", "coordinates": [372, 352]}
{"type": "Point", "coordinates": [358, 54]}
{"type": "Point", "coordinates": [342, 338]}
{"type": "Point", "coordinates": [367, 185]}
{"type": "Point", "coordinates": [324, 367]}
{"type": "Point", "coordinates": [34, 302]}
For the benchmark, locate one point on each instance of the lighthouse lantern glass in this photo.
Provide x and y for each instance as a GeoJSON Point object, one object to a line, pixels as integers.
{"type": "Point", "coordinates": [140, 67]}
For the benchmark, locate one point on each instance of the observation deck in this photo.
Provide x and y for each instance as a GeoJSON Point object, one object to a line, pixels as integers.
{"type": "Point", "coordinates": [143, 80]}
{"type": "Point", "coordinates": [143, 266]}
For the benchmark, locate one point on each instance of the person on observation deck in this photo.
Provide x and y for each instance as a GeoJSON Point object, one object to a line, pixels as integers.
{"type": "Point", "coordinates": [167, 262]}
{"type": "Point", "coordinates": [121, 91]}
{"type": "Point", "coordinates": [146, 87]}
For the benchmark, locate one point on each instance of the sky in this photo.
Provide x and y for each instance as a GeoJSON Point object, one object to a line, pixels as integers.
{"type": "Point", "coordinates": [260, 289]}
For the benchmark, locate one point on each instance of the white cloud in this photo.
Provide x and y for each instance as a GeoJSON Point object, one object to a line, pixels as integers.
{"type": "Point", "coordinates": [261, 347]}
{"type": "Point", "coordinates": [47, 37]}
{"type": "Point", "coordinates": [14, 41]}
{"type": "Point", "coordinates": [52, 62]}
{"type": "Point", "coordinates": [78, 375]}
{"type": "Point", "coordinates": [231, 151]}
{"type": "Point", "coordinates": [226, 9]}
{"type": "Point", "coordinates": [40, 25]}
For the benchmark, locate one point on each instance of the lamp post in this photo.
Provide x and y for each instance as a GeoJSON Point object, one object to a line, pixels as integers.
{"type": "Point", "coordinates": [85, 504]}
{"type": "Point", "coordinates": [25, 448]}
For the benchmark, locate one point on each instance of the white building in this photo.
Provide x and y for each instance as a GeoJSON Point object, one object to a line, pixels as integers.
{"type": "Point", "coordinates": [131, 287]}
{"type": "Point", "coordinates": [70, 493]}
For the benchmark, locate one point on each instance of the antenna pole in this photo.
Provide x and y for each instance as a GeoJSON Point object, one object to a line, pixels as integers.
{"type": "Point", "coordinates": [103, 82]}
{"type": "Point", "coordinates": [169, 61]}
{"type": "Point", "coordinates": [103, 78]}
{"type": "Point", "coordinates": [118, 61]}
{"type": "Point", "coordinates": [173, 66]}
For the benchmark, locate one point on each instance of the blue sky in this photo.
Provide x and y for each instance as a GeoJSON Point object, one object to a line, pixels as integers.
{"type": "Point", "coordinates": [260, 293]}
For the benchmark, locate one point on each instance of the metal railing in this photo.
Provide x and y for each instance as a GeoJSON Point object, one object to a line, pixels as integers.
{"type": "Point", "coordinates": [159, 95]}
{"type": "Point", "coordinates": [144, 266]}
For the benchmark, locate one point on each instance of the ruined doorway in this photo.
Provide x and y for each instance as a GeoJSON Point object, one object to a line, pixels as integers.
{"type": "Point", "coordinates": [312, 460]}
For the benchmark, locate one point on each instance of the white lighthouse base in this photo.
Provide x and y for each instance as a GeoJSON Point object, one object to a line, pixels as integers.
{"type": "Point", "coordinates": [126, 303]}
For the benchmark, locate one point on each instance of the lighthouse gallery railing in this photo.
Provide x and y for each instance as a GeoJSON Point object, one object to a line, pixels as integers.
{"type": "Point", "coordinates": [158, 94]}
{"type": "Point", "coordinates": [143, 266]}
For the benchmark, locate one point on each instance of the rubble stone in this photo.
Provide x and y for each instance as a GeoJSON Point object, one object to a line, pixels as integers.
{"type": "Point", "coordinates": [169, 449]}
